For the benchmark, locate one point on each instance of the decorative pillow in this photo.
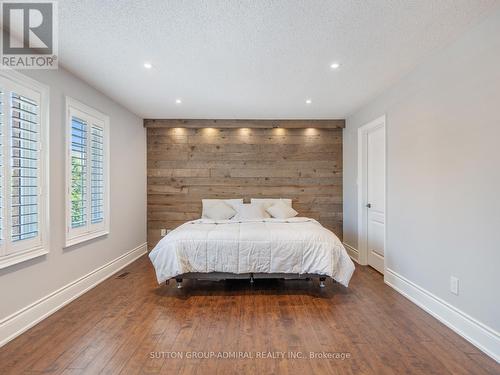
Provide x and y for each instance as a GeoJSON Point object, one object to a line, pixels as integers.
{"type": "Point", "coordinates": [220, 211]}
{"type": "Point", "coordinates": [233, 203]}
{"type": "Point", "coordinates": [280, 210]}
{"type": "Point", "coordinates": [250, 211]}
{"type": "Point", "coordinates": [268, 202]}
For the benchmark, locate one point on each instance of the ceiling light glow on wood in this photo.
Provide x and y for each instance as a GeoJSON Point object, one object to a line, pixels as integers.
{"type": "Point", "coordinates": [148, 65]}
{"type": "Point", "coordinates": [335, 65]}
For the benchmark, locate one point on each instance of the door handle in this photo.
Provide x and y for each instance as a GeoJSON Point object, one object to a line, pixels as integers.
{"type": "Point", "coordinates": [369, 205]}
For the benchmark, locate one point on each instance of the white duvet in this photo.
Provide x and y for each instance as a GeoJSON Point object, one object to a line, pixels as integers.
{"type": "Point", "coordinates": [298, 245]}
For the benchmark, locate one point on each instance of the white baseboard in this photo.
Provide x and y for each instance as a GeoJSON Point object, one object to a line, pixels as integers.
{"type": "Point", "coordinates": [17, 323]}
{"type": "Point", "coordinates": [481, 336]}
{"type": "Point", "coordinates": [352, 252]}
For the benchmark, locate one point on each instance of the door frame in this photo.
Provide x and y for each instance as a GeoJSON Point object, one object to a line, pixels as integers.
{"type": "Point", "coordinates": [363, 131]}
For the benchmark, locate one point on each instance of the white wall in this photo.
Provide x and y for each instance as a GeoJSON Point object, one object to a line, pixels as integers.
{"type": "Point", "coordinates": [27, 282]}
{"type": "Point", "coordinates": [443, 141]}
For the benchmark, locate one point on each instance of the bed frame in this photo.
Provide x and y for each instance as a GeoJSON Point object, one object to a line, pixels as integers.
{"type": "Point", "coordinates": [216, 276]}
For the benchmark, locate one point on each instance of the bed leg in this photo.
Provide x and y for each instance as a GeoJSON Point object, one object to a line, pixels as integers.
{"type": "Point", "coordinates": [251, 279]}
{"type": "Point", "coordinates": [322, 282]}
{"type": "Point", "coordinates": [179, 283]}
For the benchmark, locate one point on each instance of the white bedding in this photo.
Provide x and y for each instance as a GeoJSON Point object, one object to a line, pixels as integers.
{"type": "Point", "coordinates": [297, 245]}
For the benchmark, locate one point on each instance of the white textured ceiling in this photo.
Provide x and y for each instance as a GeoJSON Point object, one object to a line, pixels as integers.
{"type": "Point", "coordinates": [254, 58]}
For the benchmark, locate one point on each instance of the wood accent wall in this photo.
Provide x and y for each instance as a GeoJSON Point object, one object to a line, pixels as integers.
{"type": "Point", "coordinates": [186, 165]}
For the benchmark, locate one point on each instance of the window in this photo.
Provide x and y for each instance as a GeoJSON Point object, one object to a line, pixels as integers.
{"type": "Point", "coordinates": [23, 169]}
{"type": "Point", "coordinates": [87, 187]}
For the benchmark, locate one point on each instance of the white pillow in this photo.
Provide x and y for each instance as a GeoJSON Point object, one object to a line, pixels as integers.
{"type": "Point", "coordinates": [268, 202]}
{"type": "Point", "coordinates": [210, 202]}
{"type": "Point", "coordinates": [280, 210]}
{"type": "Point", "coordinates": [219, 211]}
{"type": "Point", "coordinates": [250, 211]}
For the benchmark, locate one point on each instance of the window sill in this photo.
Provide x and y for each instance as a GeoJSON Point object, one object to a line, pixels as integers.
{"type": "Point", "coordinates": [85, 237]}
{"type": "Point", "coordinates": [15, 258]}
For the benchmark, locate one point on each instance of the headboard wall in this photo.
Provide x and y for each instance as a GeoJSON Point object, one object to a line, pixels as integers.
{"type": "Point", "coordinates": [187, 164]}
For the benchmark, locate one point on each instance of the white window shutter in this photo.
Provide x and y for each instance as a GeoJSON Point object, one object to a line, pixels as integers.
{"type": "Point", "coordinates": [79, 165]}
{"type": "Point", "coordinates": [23, 168]}
{"type": "Point", "coordinates": [97, 174]}
{"type": "Point", "coordinates": [87, 169]}
{"type": "Point", "coordinates": [24, 159]}
{"type": "Point", "coordinates": [2, 130]}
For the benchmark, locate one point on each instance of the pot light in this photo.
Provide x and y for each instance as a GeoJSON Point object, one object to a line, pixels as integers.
{"type": "Point", "coordinates": [178, 101]}
{"type": "Point", "coordinates": [148, 65]}
{"type": "Point", "coordinates": [309, 101]}
{"type": "Point", "coordinates": [335, 65]}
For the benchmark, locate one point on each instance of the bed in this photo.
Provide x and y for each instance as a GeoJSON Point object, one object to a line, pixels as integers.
{"type": "Point", "coordinates": [297, 247]}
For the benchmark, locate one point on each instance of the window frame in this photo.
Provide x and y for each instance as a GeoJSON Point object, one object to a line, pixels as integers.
{"type": "Point", "coordinates": [13, 253]}
{"type": "Point", "coordinates": [74, 236]}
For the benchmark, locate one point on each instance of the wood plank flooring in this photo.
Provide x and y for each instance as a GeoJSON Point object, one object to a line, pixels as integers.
{"type": "Point", "coordinates": [130, 325]}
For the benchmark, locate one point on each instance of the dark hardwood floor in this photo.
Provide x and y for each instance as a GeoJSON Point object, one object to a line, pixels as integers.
{"type": "Point", "coordinates": [131, 325]}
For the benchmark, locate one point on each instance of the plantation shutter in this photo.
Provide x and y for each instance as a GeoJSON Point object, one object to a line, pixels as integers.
{"type": "Point", "coordinates": [1, 163]}
{"type": "Point", "coordinates": [78, 172]}
{"type": "Point", "coordinates": [23, 172]}
{"type": "Point", "coordinates": [87, 164]}
{"type": "Point", "coordinates": [97, 175]}
{"type": "Point", "coordinates": [24, 168]}
{"type": "Point", "coordinates": [87, 210]}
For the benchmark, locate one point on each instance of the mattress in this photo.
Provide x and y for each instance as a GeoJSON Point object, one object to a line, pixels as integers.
{"type": "Point", "coordinates": [298, 245]}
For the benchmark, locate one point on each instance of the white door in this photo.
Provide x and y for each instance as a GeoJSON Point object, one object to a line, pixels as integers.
{"type": "Point", "coordinates": [375, 197]}
{"type": "Point", "coordinates": [371, 196]}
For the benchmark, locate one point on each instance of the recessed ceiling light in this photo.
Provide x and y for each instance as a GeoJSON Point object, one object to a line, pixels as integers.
{"type": "Point", "coordinates": [178, 101]}
{"type": "Point", "coordinates": [148, 65]}
{"type": "Point", "coordinates": [308, 101]}
{"type": "Point", "coordinates": [335, 65]}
